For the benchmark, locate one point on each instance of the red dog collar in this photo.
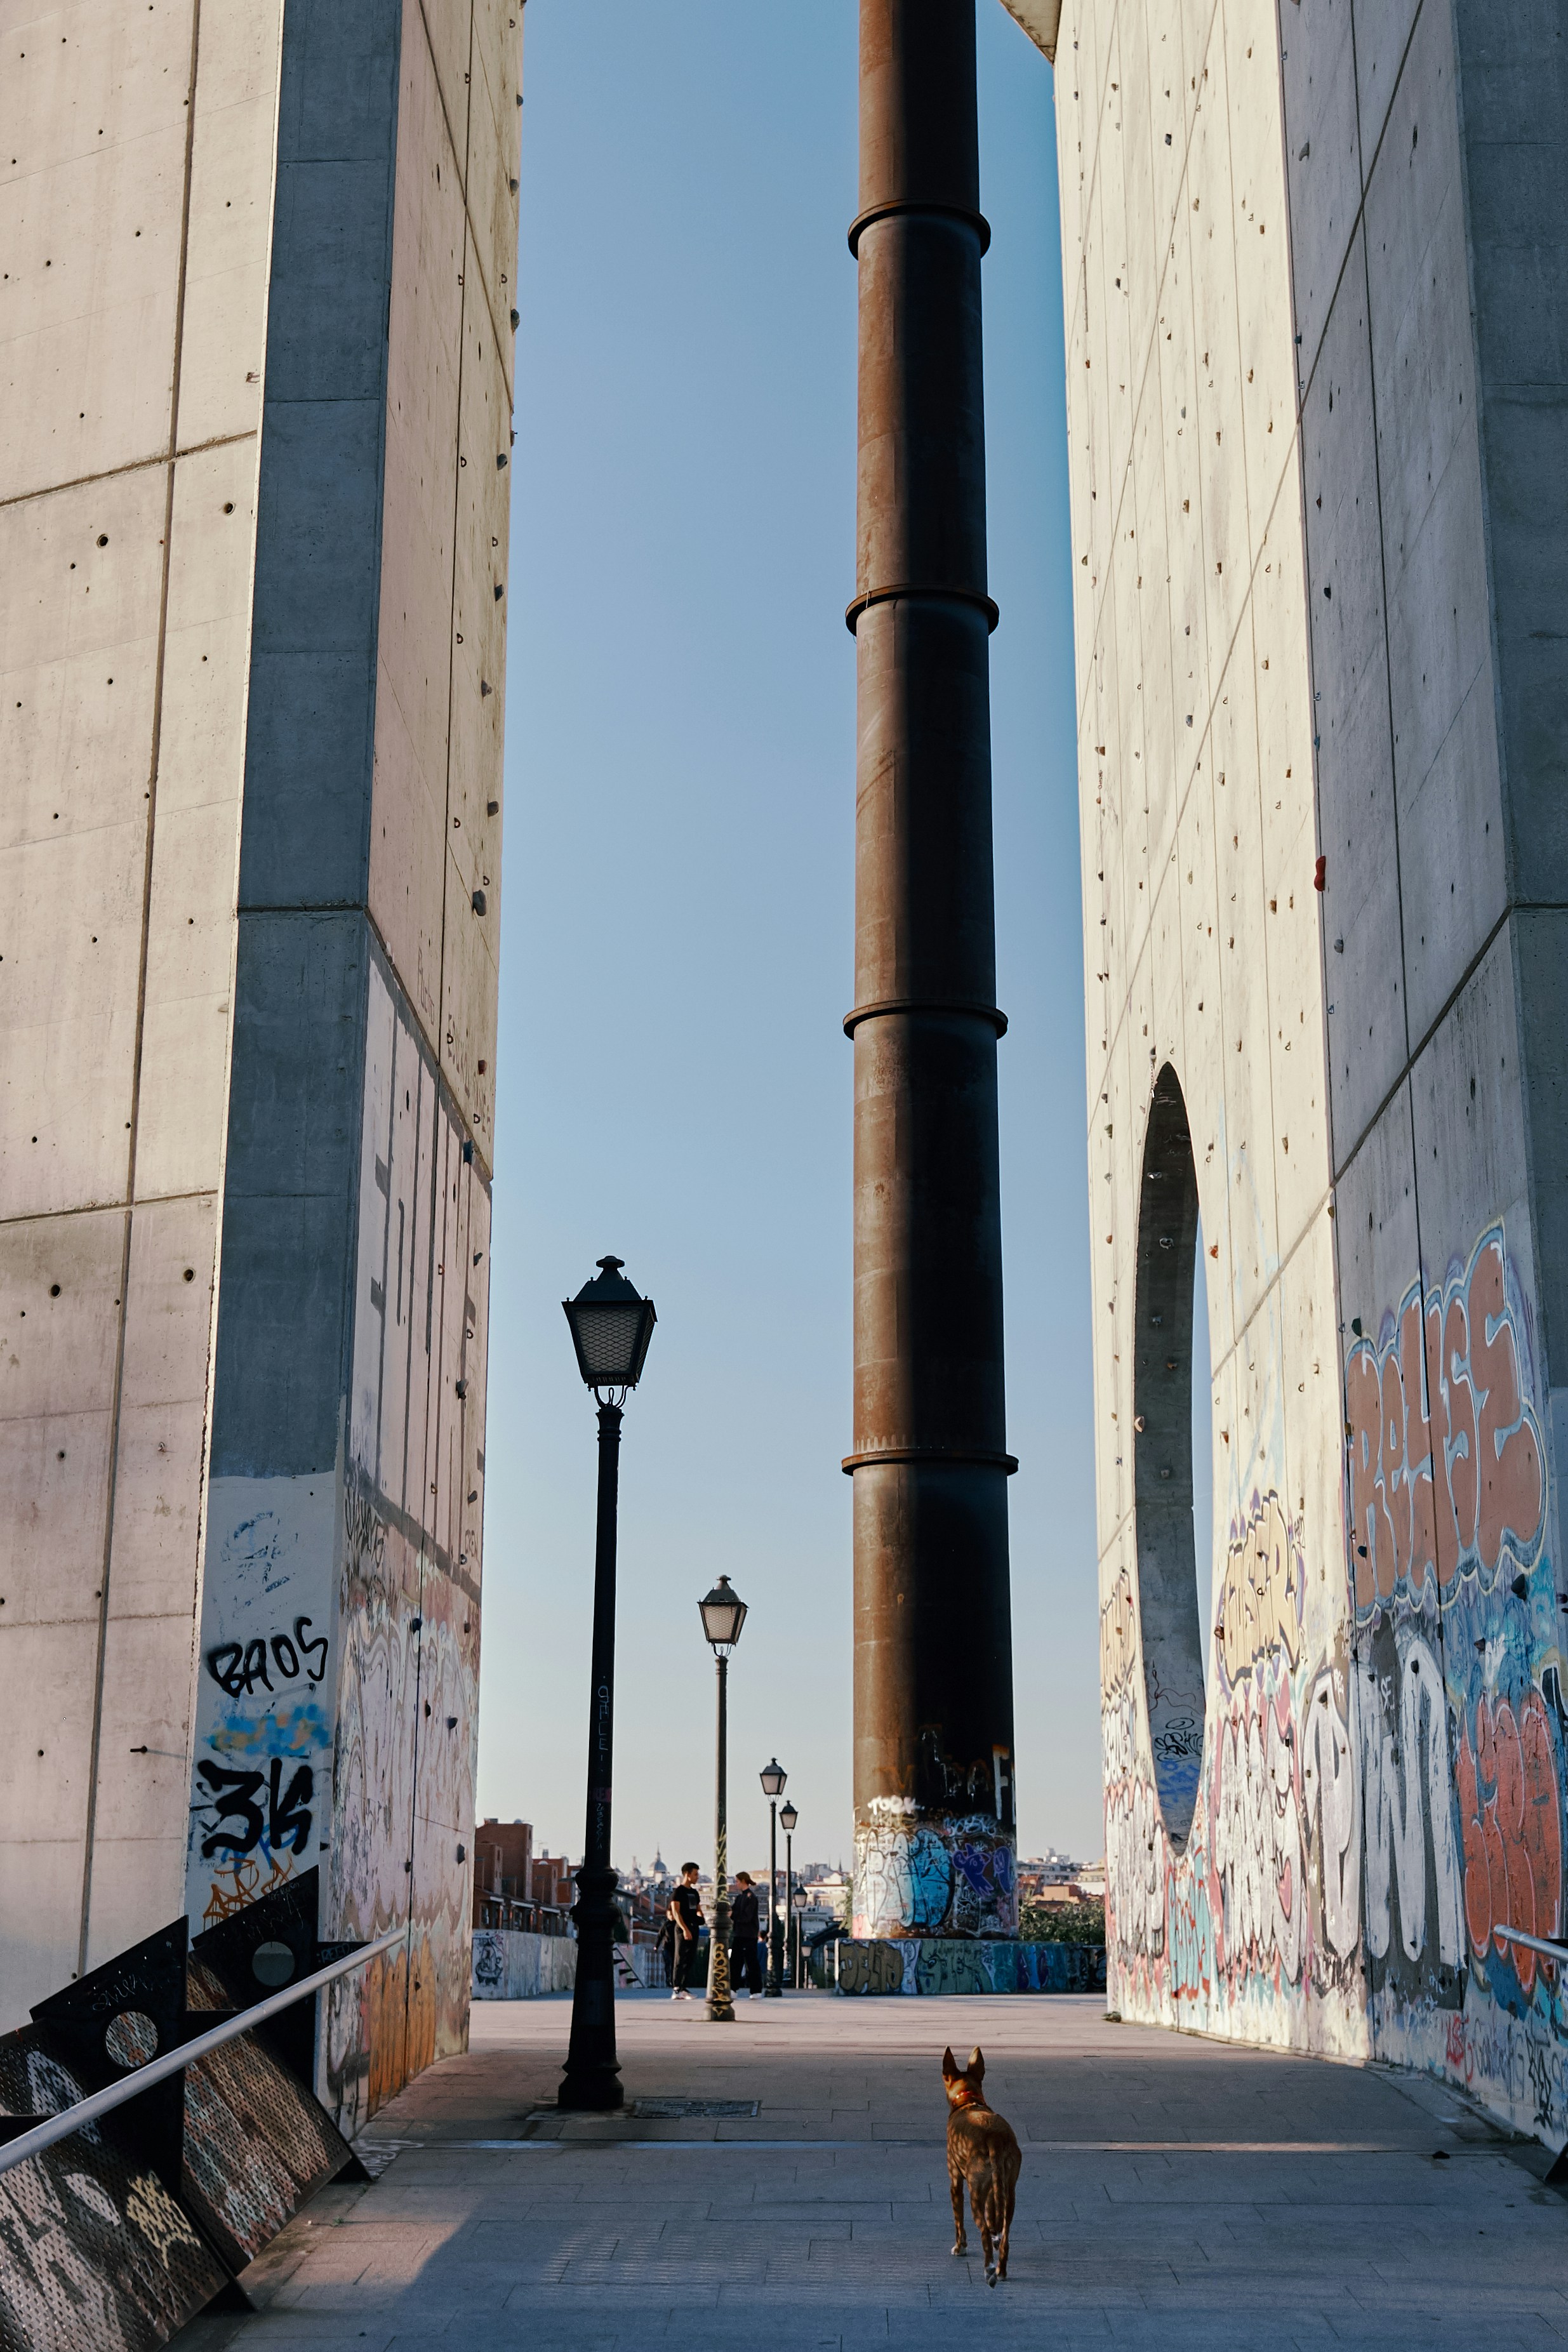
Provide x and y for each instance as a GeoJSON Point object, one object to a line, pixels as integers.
{"type": "Point", "coordinates": [966, 2096]}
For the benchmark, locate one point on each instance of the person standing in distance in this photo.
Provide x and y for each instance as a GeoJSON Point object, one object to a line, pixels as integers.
{"type": "Point", "coordinates": [685, 1916]}
{"type": "Point", "coordinates": [745, 1961]}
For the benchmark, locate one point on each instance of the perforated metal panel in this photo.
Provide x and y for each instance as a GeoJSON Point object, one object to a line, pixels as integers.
{"type": "Point", "coordinates": [256, 2146]}
{"type": "Point", "coordinates": [95, 2254]}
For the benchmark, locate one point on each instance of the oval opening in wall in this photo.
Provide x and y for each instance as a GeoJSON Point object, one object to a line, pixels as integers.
{"type": "Point", "coordinates": [1168, 1616]}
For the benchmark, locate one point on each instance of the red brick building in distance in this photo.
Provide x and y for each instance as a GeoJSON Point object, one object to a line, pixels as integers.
{"type": "Point", "coordinates": [504, 1865]}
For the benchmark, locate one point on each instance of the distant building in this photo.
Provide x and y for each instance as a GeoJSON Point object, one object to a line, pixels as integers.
{"type": "Point", "coordinates": [552, 1885]}
{"type": "Point", "coordinates": [503, 1856]}
{"type": "Point", "coordinates": [1040, 1871]}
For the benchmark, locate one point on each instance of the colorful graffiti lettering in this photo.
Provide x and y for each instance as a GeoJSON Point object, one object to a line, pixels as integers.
{"type": "Point", "coordinates": [1259, 1911]}
{"type": "Point", "coordinates": [1511, 1823]}
{"type": "Point", "coordinates": [1446, 1470]}
{"type": "Point", "coordinates": [1382, 1780]}
{"type": "Point", "coordinates": [1135, 1844]}
{"type": "Point", "coordinates": [1258, 1848]}
{"type": "Point", "coordinates": [950, 1965]}
{"type": "Point", "coordinates": [955, 1877]}
{"type": "Point", "coordinates": [1330, 1808]}
{"type": "Point", "coordinates": [1412, 1857]}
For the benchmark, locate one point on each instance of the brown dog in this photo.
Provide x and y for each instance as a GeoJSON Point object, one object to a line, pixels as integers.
{"type": "Point", "coordinates": [983, 2149]}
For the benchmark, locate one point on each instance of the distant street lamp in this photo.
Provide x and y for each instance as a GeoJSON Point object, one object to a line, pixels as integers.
{"type": "Point", "coordinates": [723, 1614]}
{"type": "Point", "coordinates": [799, 1902]}
{"type": "Point", "coordinates": [772, 1776]}
{"type": "Point", "coordinates": [788, 1816]}
{"type": "Point", "coordinates": [611, 1327]}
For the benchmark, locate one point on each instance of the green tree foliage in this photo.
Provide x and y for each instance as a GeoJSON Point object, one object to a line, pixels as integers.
{"type": "Point", "coordinates": [1063, 1923]}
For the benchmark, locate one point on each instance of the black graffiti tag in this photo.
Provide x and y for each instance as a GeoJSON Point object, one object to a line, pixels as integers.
{"type": "Point", "coordinates": [286, 1824]}
{"type": "Point", "coordinates": [239, 1666]}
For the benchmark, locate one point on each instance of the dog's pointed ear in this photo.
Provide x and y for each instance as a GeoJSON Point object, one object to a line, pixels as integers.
{"type": "Point", "coordinates": [949, 2066]}
{"type": "Point", "coordinates": [977, 2065]}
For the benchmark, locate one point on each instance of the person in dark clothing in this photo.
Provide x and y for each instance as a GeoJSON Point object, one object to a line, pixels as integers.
{"type": "Point", "coordinates": [684, 1916]}
{"type": "Point", "coordinates": [745, 1945]}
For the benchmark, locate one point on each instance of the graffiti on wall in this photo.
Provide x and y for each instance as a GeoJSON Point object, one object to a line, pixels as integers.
{"type": "Point", "coordinates": [1262, 1904]}
{"type": "Point", "coordinates": [264, 1736]}
{"type": "Point", "coordinates": [1382, 1791]}
{"type": "Point", "coordinates": [338, 1688]}
{"type": "Point", "coordinates": [972, 1966]}
{"type": "Point", "coordinates": [1446, 1469]}
{"type": "Point", "coordinates": [919, 1876]}
{"type": "Point", "coordinates": [1460, 1669]}
{"type": "Point", "coordinates": [407, 1581]}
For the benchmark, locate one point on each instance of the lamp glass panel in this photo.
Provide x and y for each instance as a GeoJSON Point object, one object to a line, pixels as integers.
{"type": "Point", "coordinates": [607, 1336]}
{"type": "Point", "coordinates": [723, 1614]}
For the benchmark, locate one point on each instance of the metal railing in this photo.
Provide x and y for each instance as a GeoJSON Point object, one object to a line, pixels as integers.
{"type": "Point", "coordinates": [1535, 1943]}
{"type": "Point", "coordinates": [45, 2133]}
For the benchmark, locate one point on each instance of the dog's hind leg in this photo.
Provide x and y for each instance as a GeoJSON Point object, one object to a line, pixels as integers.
{"type": "Point", "coordinates": [1006, 2231]}
{"type": "Point", "coordinates": [982, 2197]}
{"type": "Point", "coordinates": [955, 2189]}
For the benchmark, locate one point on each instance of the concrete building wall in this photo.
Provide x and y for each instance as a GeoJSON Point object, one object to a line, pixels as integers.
{"type": "Point", "coordinates": [1431, 268]}
{"type": "Point", "coordinates": [1315, 263]}
{"type": "Point", "coordinates": [338, 1693]}
{"type": "Point", "coordinates": [135, 215]}
{"type": "Point", "coordinates": [1225, 1833]}
{"type": "Point", "coordinates": [253, 546]}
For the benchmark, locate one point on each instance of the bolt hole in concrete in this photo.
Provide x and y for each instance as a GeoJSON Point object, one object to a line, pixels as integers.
{"type": "Point", "coordinates": [132, 2038]}
{"type": "Point", "coordinates": [1165, 1398]}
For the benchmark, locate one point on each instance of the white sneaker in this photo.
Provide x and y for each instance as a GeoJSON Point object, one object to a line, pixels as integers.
{"type": "Point", "coordinates": [677, 1996]}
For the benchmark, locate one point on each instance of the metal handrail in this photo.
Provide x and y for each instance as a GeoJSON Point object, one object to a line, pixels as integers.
{"type": "Point", "coordinates": [1536, 1943]}
{"type": "Point", "coordinates": [45, 2133]}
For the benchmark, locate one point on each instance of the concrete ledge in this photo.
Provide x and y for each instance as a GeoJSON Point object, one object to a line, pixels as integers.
{"type": "Point", "coordinates": [951, 1964]}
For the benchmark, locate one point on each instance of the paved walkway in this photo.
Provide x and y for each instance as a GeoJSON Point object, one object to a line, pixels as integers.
{"type": "Point", "coordinates": [1174, 2192]}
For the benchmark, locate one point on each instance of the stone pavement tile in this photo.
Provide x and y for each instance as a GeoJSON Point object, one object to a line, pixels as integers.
{"type": "Point", "coordinates": [571, 2339]}
{"type": "Point", "coordinates": [1223, 2327]}
{"type": "Point", "coordinates": [590, 2240]}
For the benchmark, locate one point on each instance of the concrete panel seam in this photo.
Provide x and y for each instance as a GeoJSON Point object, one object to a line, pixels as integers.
{"type": "Point", "coordinates": [1480, 399]}
{"type": "Point", "coordinates": [1220, 675]}
{"type": "Point", "coordinates": [133, 465]}
{"type": "Point", "coordinates": [1407, 1070]}
{"type": "Point", "coordinates": [502, 338]}
{"type": "Point", "coordinates": [1291, 446]}
{"type": "Point", "coordinates": [98, 1208]}
{"type": "Point", "coordinates": [444, 1091]}
{"type": "Point", "coordinates": [1359, 217]}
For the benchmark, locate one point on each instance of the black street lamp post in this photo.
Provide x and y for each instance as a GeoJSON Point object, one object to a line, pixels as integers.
{"type": "Point", "coordinates": [788, 1816]}
{"type": "Point", "coordinates": [611, 1327]}
{"type": "Point", "coordinates": [773, 1777]}
{"type": "Point", "coordinates": [723, 1614]}
{"type": "Point", "coordinates": [799, 1902]}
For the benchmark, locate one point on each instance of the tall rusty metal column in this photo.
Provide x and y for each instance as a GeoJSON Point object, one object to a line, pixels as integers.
{"type": "Point", "coordinates": [934, 1675]}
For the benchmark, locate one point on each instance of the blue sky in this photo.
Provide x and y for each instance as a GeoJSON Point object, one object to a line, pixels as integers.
{"type": "Point", "coordinates": [677, 919]}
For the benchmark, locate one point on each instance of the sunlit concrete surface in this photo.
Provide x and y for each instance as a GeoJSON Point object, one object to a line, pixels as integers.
{"type": "Point", "coordinates": [1174, 2191]}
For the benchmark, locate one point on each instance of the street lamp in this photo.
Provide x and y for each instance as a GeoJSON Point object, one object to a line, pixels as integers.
{"type": "Point", "coordinates": [798, 1901]}
{"type": "Point", "coordinates": [772, 1776]}
{"type": "Point", "coordinates": [723, 1614]}
{"type": "Point", "coordinates": [788, 1816]}
{"type": "Point", "coordinates": [611, 1326]}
